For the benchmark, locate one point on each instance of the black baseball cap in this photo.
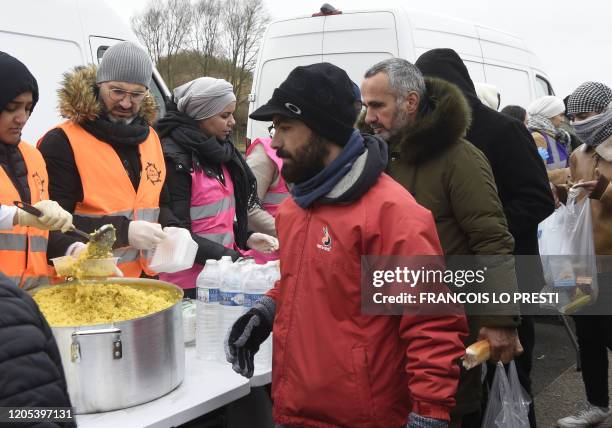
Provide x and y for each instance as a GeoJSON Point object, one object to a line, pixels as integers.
{"type": "Point", "coordinates": [321, 95]}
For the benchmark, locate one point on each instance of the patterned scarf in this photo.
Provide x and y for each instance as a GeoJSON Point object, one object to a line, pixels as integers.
{"type": "Point", "coordinates": [595, 130]}
{"type": "Point", "coordinates": [539, 123]}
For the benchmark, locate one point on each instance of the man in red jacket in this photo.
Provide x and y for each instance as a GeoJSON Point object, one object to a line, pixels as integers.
{"type": "Point", "coordinates": [333, 365]}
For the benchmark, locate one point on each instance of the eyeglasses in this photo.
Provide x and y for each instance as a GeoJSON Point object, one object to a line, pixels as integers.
{"type": "Point", "coordinates": [117, 95]}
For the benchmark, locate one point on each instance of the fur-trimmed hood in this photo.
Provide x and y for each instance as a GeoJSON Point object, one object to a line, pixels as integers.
{"type": "Point", "coordinates": [445, 122]}
{"type": "Point", "coordinates": [78, 100]}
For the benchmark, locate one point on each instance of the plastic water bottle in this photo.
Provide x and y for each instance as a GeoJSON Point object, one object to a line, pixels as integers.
{"type": "Point", "coordinates": [231, 299]}
{"type": "Point", "coordinates": [273, 267]}
{"type": "Point", "coordinates": [256, 285]}
{"type": "Point", "coordinates": [208, 311]}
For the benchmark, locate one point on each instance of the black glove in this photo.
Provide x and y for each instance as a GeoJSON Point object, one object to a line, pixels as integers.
{"type": "Point", "coordinates": [417, 421]}
{"type": "Point", "coordinates": [248, 332]}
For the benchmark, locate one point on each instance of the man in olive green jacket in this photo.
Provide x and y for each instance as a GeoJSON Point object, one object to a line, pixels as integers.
{"type": "Point", "coordinates": [424, 121]}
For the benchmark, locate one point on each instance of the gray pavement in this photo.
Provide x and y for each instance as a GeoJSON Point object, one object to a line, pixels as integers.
{"type": "Point", "coordinates": [557, 386]}
{"type": "Point", "coordinates": [562, 397]}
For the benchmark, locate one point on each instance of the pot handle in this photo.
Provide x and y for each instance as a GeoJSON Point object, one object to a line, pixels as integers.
{"type": "Point", "coordinates": [75, 347]}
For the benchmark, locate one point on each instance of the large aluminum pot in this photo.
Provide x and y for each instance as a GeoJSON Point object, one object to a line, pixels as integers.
{"type": "Point", "coordinates": [118, 365]}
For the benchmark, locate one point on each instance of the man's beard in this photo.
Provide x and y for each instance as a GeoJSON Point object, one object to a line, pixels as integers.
{"type": "Point", "coordinates": [399, 121]}
{"type": "Point", "coordinates": [120, 120]}
{"type": "Point", "coordinates": [307, 162]}
{"type": "Point", "coordinates": [113, 119]}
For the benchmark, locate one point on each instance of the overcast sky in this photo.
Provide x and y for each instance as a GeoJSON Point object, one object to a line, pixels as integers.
{"type": "Point", "coordinates": [573, 42]}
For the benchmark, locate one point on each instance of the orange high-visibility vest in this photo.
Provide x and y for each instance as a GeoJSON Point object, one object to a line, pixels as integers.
{"type": "Point", "coordinates": [23, 250]}
{"type": "Point", "coordinates": [108, 191]}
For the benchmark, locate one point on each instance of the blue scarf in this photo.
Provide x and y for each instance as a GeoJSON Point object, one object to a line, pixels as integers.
{"type": "Point", "coordinates": [306, 193]}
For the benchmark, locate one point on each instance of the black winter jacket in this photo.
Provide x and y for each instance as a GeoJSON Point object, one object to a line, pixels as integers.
{"type": "Point", "coordinates": [179, 164]}
{"type": "Point", "coordinates": [31, 372]}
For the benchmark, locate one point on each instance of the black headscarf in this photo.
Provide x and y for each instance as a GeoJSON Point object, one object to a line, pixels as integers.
{"type": "Point", "coordinates": [15, 79]}
{"type": "Point", "coordinates": [213, 152]}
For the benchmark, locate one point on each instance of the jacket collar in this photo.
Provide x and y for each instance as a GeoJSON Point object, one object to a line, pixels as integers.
{"type": "Point", "coordinates": [605, 149]}
{"type": "Point", "coordinates": [444, 124]}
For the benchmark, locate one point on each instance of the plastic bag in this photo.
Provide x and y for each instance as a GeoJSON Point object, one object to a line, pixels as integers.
{"type": "Point", "coordinates": [508, 405]}
{"type": "Point", "coordinates": [567, 251]}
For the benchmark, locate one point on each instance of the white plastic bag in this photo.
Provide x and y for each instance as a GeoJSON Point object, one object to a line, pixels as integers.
{"type": "Point", "coordinates": [551, 234]}
{"type": "Point", "coordinates": [508, 405]}
{"type": "Point", "coordinates": [567, 251]}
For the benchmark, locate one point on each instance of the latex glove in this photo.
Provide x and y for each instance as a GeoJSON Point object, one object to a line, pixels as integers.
{"type": "Point", "coordinates": [145, 235]}
{"type": "Point", "coordinates": [505, 344]}
{"type": "Point", "coordinates": [263, 243]}
{"type": "Point", "coordinates": [54, 217]}
{"type": "Point", "coordinates": [418, 421]}
{"type": "Point", "coordinates": [75, 249]}
{"type": "Point", "coordinates": [247, 334]}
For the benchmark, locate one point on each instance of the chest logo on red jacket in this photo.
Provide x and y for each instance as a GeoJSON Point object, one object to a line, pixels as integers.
{"type": "Point", "coordinates": [326, 241]}
{"type": "Point", "coordinates": [40, 184]}
{"type": "Point", "coordinates": [153, 174]}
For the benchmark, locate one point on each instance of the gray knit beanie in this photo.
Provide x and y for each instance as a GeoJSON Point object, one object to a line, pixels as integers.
{"type": "Point", "coordinates": [125, 62]}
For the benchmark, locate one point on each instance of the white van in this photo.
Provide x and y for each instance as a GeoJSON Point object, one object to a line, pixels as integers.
{"type": "Point", "coordinates": [356, 40]}
{"type": "Point", "coordinates": [51, 37]}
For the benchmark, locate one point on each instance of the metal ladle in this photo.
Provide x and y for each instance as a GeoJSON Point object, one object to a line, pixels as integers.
{"type": "Point", "coordinates": [101, 235]}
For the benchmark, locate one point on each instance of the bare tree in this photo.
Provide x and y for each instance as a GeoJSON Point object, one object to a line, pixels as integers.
{"type": "Point", "coordinates": [205, 31]}
{"type": "Point", "coordinates": [163, 28]}
{"type": "Point", "coordinates": [244, 24]}
{"type": "Point", "coordinates": [147, 27]}
{"type": "Point", "coordinates": [176, 29]}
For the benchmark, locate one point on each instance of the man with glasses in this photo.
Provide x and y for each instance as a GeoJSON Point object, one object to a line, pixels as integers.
{"type": "Point", "coordinates": [105, 162]}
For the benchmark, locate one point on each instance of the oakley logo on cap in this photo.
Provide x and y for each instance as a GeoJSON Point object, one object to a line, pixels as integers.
{"type": "Point", "coordinates": [295, 109]}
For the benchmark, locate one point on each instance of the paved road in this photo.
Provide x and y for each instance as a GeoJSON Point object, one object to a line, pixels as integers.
{"type": "Point", "coordinates": [557, 385]}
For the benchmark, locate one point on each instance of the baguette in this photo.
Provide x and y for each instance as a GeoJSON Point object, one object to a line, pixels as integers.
{"type": "Point", "coordinates": [476, 354]}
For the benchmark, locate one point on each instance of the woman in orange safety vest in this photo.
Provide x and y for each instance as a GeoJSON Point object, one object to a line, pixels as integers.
{"type": "Point", "coordinates": [25, 240]}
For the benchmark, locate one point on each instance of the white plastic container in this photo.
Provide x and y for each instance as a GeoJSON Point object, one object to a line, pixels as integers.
{"type": "Point", "coordinates": [189, 321]}
{"type": "Point", "coordinates": [88, 268]}
{"type": "Point", "coordinates": [232, 298]}
{"type": "Point", "coordinates": [256, 285]}
{"type": "Point", "coordinates": [175, 253]}
{"type": "Point", "coordinates": [209, 341]}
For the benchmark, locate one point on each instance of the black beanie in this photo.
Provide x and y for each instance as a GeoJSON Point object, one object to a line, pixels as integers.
{"type": "Point", "coordinates": [320, 95]}
{"type": "Point", "coordinates": [15, 79]}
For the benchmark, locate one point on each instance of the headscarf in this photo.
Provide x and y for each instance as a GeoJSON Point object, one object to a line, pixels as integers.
{"type": "Point", "coordinates": [488, 94]}
{"type": "Point", "coordinates": [203, 97]}
{"type": "Point", "coordinates": [548, 106]}
{"type": "Point", "coordinates": [589, 97]}
{"type": "Point", "coordinates": [540, 111]}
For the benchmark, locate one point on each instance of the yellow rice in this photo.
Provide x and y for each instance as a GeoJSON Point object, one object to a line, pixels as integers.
{"type": "Point", "coordinates": [76, 305]}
